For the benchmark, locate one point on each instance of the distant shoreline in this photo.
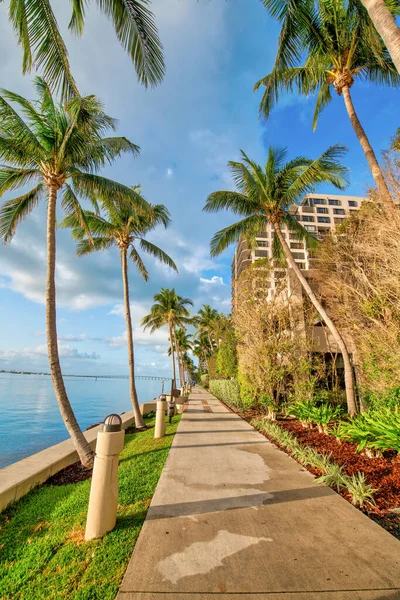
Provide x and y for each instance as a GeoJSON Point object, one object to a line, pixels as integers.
{"type": "Point", "coordinates": [153, 377]}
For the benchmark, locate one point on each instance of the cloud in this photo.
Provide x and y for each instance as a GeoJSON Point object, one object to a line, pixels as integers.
{"type": "Point", "coordinates": [65, 351]}
{"type": "Point", "coordinates": [169, 172]}
{"type": "Point", "coordinates": [215, 281]}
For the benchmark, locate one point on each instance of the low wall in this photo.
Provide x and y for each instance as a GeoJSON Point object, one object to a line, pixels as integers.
{"type": "Point", "coordinates": [18, 479]}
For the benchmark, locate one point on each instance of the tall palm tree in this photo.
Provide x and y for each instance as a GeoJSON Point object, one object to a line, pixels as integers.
{"type": "Point", "coordinates": [202, 348]}
{"type": "Point", "coordinates": [122, 226]}
{"type": "Point", "coordinates": [182, 344]}
{"type": "Point", "coordinates": [341, 47]}
{"type": "Point", "coordinates": [43, 47]}
{"type": "Point", "coordinates": [169, 310]}
{"type": "Point", "coordinates": [265, 195]}
{"type": "Point", "coordinates": [382, 14]}
{"type": "Point", "coordinates": [206, 320]}
{"type": "Point", "coordinates": [58, 149]}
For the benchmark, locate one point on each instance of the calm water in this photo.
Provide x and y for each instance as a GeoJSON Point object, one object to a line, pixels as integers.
{"type": "Point", "coordinates": [29, 417]}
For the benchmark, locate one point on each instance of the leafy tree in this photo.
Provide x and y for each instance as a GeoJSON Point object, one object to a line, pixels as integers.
{"type": "Point", "coordinates": [58, 149]}
{"type": "Point", "coordinates": [265, 195]}
{"type": "Point", "coordinates": [169, 310]}
{"type": "Point", "coordinates": [37, 31]}
{"type": "Point", "coordinates": [206, 320]}
{"type": "Point", "coordinates": [340, 46]}
{"type": "Point", "coordinates": [227, 362]}
{"type": "Point", "coordinates": [123, 226]}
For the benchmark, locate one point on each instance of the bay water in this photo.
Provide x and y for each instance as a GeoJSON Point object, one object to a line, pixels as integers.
{"type": "Point", "coordinates": [30, 420]}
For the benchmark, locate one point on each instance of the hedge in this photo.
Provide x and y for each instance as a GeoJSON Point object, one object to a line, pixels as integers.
{"type": "Point", "coordinates": [228, 391]}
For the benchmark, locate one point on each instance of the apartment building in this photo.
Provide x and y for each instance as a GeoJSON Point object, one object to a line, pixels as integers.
{"type": "Point", "coordinates": [318, 213]}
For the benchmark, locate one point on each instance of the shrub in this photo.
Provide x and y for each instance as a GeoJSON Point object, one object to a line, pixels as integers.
{"type": "Point", "coordinates": [388, 399]}
{"type": "Point", "coordinates": [324, 414]}
{"type": "Point", "coordinates": [204, 380]}
{"type": "Point", "coordinates": [228, 391]}
{"type": "Point", "coordinates": [373, 429]}
{"type": "Point", "coordinates": [227, 355]}
{"type": "Point", "coordinates": [303, 411]}
{"type": "Point", "coordinates": [360, 491]}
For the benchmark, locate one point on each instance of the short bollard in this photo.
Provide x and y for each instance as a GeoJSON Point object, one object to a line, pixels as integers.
{"type": "Point", "coordinates": [171, 409]}
{"type": "Point", "coordinates": [159, 429]}
{"type": "Point", "coordinates": [103, 501]}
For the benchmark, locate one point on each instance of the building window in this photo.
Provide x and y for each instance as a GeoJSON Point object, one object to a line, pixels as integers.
{"type": "Point", "coordinates": [310, 227]}
{"type": "Point", "coordinates": [302, 266]}
{"type": "Point", "coordinates": [307, 219]}
{"type": "Point", "coordinates": [319, 201]}
{"type": "Point", "coordinates": [324, 220]}
{"type": "Point", "coordinates": [296, 245]}
{"type": "Point", "coordinates": [323, 232]}
{"type": "Point", "coordinates": [334, 202]}
{"type": "Point", "coordinates": [298, 255]}
{"type": "Point", "coordinates": [261, 244]}
{"type": "Point", "coordinates": [352, 203]}
{"type": "Point", "coordinates": [324, 211]}
{"type": "Point", "coordinates": [338, 211]}
{"type": "Point", "coordinates": [338, 221]}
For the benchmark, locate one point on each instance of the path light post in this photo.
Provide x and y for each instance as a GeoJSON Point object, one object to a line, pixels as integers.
{"type": "Point", "coordinates": [103, 501]}
{"type": "Point", "coordinates": [159, 429]}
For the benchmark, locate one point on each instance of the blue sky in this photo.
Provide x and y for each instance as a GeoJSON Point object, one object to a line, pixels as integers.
{"type": "Point", "coordinates": [187, 128]}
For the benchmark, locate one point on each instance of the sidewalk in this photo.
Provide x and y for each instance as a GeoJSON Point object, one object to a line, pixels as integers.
{"type": "Point", "coordinates": [235, 518]}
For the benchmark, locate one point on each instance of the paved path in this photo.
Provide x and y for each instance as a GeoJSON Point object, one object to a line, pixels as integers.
{"type": "Point", "coordinates": [235, 518]}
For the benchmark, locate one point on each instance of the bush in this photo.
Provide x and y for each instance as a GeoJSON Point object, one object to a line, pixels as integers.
{"type": "Point", "coordinates": [227, 356]}
{"type": "Point", "coordinates": [204, 380]}
{"type": "Point", "coordinates": [228, 391]}
{"type": "Point", "coordinates": [308, 412]}
{"type": "Point", "coordinates": [387, 399]}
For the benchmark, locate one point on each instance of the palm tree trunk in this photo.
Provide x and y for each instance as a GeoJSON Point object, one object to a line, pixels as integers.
{"type": "Point", "coordinates": [348, 370]}
{"type": "Point", "coordinates": [210, 341]}
{"type": "Point", "coordinates": [386, 26]}
{"type": "Point", "coordinates": [139, 422]}
{"type": "Point", "coordinates": [82, 447]}
{"type": "Point", "coordinates": [171, 341]}
{"type": "Point", "coordinates": [180, 363]}
{"type": "Point", "coordinates": [366, 146]}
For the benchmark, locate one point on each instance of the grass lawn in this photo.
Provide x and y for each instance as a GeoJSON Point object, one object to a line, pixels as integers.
{"type": "Point", "coordinates": [42, 549]}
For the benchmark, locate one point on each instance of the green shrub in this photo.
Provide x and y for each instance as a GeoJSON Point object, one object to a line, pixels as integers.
{"type": "Point", "coordinates": [388, 399]}
{"type": "Point", "coordinates": [373, 429]}
{"type": "Point", "coordinates": [228, 391]}
{"type": "Point", "coordinates": [204, 380]}
{"type": "Point", "coordinates": [308, 412]}
{"type": "Point", "coordinates": [227, 361]}
{"type": "Point", "coordinates": [360, 491]}
{"type": "Point", "coordinates": [302, 410]}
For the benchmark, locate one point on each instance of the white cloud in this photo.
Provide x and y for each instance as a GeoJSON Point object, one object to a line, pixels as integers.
{"type": "Point", "coordinates": [169, 173]}
{"type": "Point", "coordinates": [215, 281]}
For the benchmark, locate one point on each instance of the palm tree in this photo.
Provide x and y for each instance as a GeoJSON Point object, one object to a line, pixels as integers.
{"type": "Point", "coordinates": [206, 320]}
{"type": "Point", "coordinates": [382, 16]}
{"type": "Point", "coordinates": [182, 344]}
{"type": "Point", "coordinates": [124, 227]}
{"type": "Point", "coordinates": [58, 149]}
{"type": "Point", "coordinates": [202, 348]}
{"type": "Point", "coordinates": [171, 310]}
{"type": "Point", "coordinates": [341, 46]}
{"type": "Point", "coordinates": [43, 47]}
{"type": "Point", "coordinates": [265, 195]}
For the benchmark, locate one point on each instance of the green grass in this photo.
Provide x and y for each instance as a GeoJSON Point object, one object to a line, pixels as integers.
{"type": "Point", "coordinates": [43, 554]}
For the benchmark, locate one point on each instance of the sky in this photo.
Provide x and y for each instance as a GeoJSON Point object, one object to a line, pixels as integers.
{"type": "Point", "coordinates": [188, 128]}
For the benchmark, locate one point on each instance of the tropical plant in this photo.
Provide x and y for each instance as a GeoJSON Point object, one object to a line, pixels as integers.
{"type": "Point", "coordinates": [382, 14]}
{"type": "Point", "coordinates": [123, 226]}
{"type": "Point", "coordinates": [37, 31]}
{"type": "Point", "coordinates": [360, 491]}
{"type": "Point", "coordinates": [303, 410]}
{"type": "Point", "coordinates": [206, 320]}
{"type": "Point", "coordinates": [205, 380]}
{"type": "Point", "coordinates": [334, 477]}
{"type": "Point", "coordinates": [378, 430]}
{"type": "Point", "coordinates": [265, 195]}
{"type": "Point", "coordinates": [58, 149]}
{"type": "Point", "coordinates": [169, 310]}
{"type": "Point", "coordinates": [182, 344]}
{"type": "Point", "coordinates": [341, 46]}
{"type": "Point", "coordinates": [227, 360]}
{"type": "Point", "coordinates": [324, 414]}
{"type": "Point", "coordinates": [201, 348]}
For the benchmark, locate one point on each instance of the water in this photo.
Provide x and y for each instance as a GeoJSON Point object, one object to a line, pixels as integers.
{"type": "Point", "coordinates": [29, 417]}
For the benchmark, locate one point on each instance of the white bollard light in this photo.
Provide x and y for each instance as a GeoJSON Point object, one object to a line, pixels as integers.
{"type": "Point", "coordinates": [103, 501]}
{"type": "Point", "coordinates": [159, 429]}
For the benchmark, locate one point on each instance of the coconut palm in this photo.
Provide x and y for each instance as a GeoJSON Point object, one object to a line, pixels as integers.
{"type": "Point", "coordinates": [265, 195]}
{"type": "Point", "coordinates": [58, 150]}
{"type": "Point", "coordinates": [202, 348]}
{"type": "Point", "coordinates": [382, 14]}
{"type": "Point", "coordinates": [182, 344]}
{"type": "Point", "coordinates": [341, 47]}
{"type": "Point", "coordinates": [206, 320]}
{"type": "Point", "coordinates": [43, 47]}
{"type": "Point", "coordinates": [122, 226]}
{"type": "Point", "coordinates": [169, 310]}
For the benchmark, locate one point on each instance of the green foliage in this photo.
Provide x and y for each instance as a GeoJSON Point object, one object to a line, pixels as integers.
{"type": "Point", "coordinates": [227, 362]}
{"type": "Point", "coordinates": [228, 391]}
{"type": "Point", "coordinates": [333, 477]}
{"type": "Point", "coordinates": [302, 410]}
{"type": "Point", "coordinates": [374, 429]}
{"type": "Point", "coordinates": [308, 411]}
{"type": "Point", "coordinates": [390, 398]}
{"type": "Point", "coordinates": [360, 491]}
{"type": "Point", "coordinates": [204, 379]}
{"type": "Point", "coordinates": [43, 552]}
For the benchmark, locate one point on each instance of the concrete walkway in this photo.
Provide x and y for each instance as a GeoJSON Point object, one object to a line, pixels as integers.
{"type": "Point", "coordinates": [235, 518]}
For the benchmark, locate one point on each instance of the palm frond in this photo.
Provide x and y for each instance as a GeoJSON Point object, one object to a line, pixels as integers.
{"type": "Point", "coordinates": [12, 178]}
{"type": "Point", "coordinates": [137, 32]}
{"type": "Point", "coordinates": [15, 210]}
{"type": "Point", "coordinates": [92, 245]}
{"type": "Point", "coordinates": [239, 204]}
{"type": "Point", "coordinates": [137, 259]}
{"type": "Point", "coordinates": [107, 190]}
{"type": "Point", "coordinates": [227, 236]}
{"type": "Point", "coordinates": [159, 254]}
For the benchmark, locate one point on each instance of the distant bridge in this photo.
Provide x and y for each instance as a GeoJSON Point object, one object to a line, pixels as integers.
{"type": "Point", "coordinates": [148, 377]}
